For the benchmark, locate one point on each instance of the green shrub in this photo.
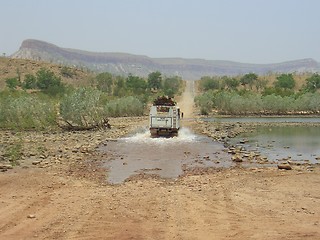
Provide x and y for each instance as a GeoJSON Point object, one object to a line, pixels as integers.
{"type": "Point", "coordinates": [12, 83]}
{"type": "Point", "coordinates": [205, 102]}
{"type": "Point", "coordinates": [308, 102]}
{"type": "Point", "coordinates": [285, 81]}
{"type": "Point", "coordinates": [23, 111]}
{"type": "Point", "coordinates": [247, 104]}
{"type": "Point", "coordinates": [126, 106]}
{"type": "Point", "coordinates": [313, 83]}
{"type": "Point", "coordinates": [83, 107]}
{"type": "Point", "coordinates": [222, 101]}
{"type": "Point", "coordinates": [315, 103]}
{"type": "Point", "coordinates": [275, 104]}
{"type": "Point", "coordinates": [49, 83]}
{"type": "Point", "coordinates": [30, 82]}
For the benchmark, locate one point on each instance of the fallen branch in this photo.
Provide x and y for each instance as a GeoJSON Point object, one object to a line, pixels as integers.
{"type": "Point", "coordinates": [68, 126]}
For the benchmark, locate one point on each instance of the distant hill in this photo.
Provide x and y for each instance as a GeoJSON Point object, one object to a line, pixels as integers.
{"type": "Point", "coordinates": [12, 68]}
{"type": "Point", "coordinates": [124, 63]}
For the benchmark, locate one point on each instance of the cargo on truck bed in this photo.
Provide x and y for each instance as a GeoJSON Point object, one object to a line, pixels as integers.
{"type": "Point", "coordinates": [164, 117]}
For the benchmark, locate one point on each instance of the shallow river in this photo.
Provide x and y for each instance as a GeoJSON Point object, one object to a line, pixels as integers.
{"type": "Point", "coordinates": [166, 157]}
{"type": "Point", "coordinates": [295, 143]}
{"type": "Point", "coordinates": [284, 142]}
{"type": "Point", "coordinates": [265, 119]}
{"type": "Point", "coordinates": [169, 157]}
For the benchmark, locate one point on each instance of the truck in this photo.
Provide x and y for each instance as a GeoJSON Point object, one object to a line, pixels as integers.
{"type": "Point", "coordinates": [164, 117]}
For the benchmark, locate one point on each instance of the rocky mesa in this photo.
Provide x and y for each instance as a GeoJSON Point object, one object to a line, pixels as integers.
{"type": "Point", "coordinates": [124, 63]}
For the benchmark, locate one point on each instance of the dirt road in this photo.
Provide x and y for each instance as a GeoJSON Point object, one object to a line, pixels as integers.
{"type": "Point", "coordinates": [230, 204]}
{"type": "Point", "coordinates": [186, 103]}
{"type": "Point", "coordinates": [65, 196]}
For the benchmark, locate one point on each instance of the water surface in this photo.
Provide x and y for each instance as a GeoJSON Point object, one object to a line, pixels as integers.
{"type": "Point", "coordinates": [271, 119]}
{"type": "Point", "coordinates": [295, 143]}
{"type": "Point", "coordinates": [165, 157]}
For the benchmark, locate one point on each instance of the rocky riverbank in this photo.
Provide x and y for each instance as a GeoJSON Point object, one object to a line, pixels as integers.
{"type": "Point", "coordinates": [224, 131]}
{"type": "Point", "coordinates": [57, 149]}
{"type": "Point", "coordinates": [71, 150]}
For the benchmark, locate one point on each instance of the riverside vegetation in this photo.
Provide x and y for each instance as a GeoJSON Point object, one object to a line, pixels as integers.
{"type": "Point", "coordinates": [39, 101]}
{"type": "Point", "coordinates": [36, 104]}
{"type": "Point", "coordinates": [253, 94]}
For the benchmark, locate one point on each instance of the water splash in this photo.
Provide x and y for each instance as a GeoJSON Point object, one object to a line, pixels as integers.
{"type": "Point", "coordinates": [185, 135]}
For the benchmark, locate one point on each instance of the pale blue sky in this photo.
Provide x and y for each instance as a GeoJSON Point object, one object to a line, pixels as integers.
{"type": "Point", "coordinates": [252, 31]}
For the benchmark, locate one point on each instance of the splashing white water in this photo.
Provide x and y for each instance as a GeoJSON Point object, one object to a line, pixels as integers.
{"type": "Point", "coordinates": [184, 135]}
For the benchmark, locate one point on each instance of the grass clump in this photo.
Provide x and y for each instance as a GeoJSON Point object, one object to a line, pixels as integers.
{"type": "Point", "coordinates": [13, 153]}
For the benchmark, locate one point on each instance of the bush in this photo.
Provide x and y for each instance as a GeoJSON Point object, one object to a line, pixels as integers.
{"type": "Point", "coordinates": [222, 101]}
{"type": "Point", "coordinates": [249, 79]}
{"type": "Point", "coordinates": [315, 103]}
{"type": "Point", "coordinates": [49, 83]}
{"type": "Point", "coordinates": [30, 82]}
{"type": "Point", "coordinates": [205, 102]}
{"type": "Point", "coordinates": [105, 82]}
{"type": "Point", "coordinates": [171, 86]}
{"type": "Point", "coordinates": [275, 104]}
{"type": "Point", "coordinates": [12, 83]}
{"type": "Point", "coordinates": [23, 111]}
{"type": "Point", "coordinates": [123, 107]}
{"type": "Point", "coordinates": [308, 102]}
{"type": "Point", "coordinates": [313, 82]}
{"type": "Point", "coordinates": [83, 107]}
{"type": "Point", "coordinates": [285, 81]}
{"type": "Point", "coordinates": [248, 104]}
{"type": "Point", "coordinates": [209, 83]}
{"type": "Point", "coordinates": [277, 91]}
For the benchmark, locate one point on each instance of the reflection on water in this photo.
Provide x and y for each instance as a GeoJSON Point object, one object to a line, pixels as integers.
{"type": "Point", "coordinates": [166, 157]}
{"type": "Point", "coordinates": [299, 142]}
{"type": "Point", "coordinates": [296, 143]}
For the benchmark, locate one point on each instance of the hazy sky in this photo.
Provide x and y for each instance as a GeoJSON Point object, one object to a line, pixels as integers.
{"type": "Point", "coordinates": [251, 31]}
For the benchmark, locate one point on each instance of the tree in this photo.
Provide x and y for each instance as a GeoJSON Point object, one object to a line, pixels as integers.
{"type": "Point", "coordinates": [154, 80]}
{"type": "Point", "coordinates": [313, 82]}
{"type": "Point", "coordinates": [249, 79]}
{"type": "Point", "coordinates": [285, 81]}
{"type": "Point", "coordinates": [207, 83]}
{"type": "Point", "coordinates": [232, 83]}
{"type": "Point", "coordinates": [120, 87]}
{"type": "Point", "coordinates": [171, 86]}
{"type": "Point", "coordinates": [48, 82]}
{"type": "Point", "coordinates": [136, 84]}
{"type": "Point", "coordinates": [104, 82]}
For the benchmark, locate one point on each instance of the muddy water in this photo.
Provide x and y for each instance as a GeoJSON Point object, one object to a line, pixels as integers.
{"type": "Point", "coordinates": [165, 157]}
